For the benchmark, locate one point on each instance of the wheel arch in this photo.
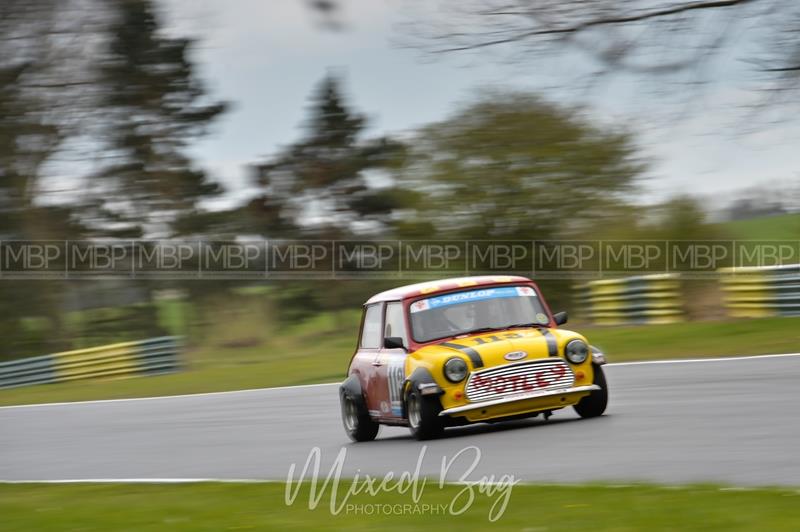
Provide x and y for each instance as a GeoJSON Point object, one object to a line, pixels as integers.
{"type": "Point", "coordinates": [421, 375]}
{"type": "Point", "coordinates": [352, 387]}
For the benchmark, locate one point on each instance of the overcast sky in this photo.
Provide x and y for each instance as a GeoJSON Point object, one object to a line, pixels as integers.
{"type": "Point", "coordinates": [266, 57]}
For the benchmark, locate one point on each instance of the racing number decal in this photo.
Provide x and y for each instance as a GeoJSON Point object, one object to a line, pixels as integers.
{"type": "Point", "coordinates": [477, 361]}
{"type": "Point", "coordinates": [395, 375]}
{"type": "Point", "coordinates": [496, 338]}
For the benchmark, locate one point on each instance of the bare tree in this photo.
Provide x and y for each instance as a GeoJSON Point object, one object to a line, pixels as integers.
{"type": "Point", "coordinates": [754, 41]}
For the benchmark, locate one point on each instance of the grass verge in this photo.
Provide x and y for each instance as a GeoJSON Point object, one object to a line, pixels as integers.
{"type": "Point", "coordinates": [261, 506]}
{"type": "Point", "coordinates": [319, 351]}
{"type": "Point", "coordinates": [778, 227]}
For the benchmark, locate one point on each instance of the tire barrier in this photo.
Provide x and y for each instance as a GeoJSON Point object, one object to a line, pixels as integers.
{"type": "Point", "coordinates": [760, 292]}
{"type": "Point", "coordinates": [633, 300]}
{"type": "Point", "coordinates": [144, 357]}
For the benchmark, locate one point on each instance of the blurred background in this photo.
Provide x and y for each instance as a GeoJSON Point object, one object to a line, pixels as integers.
{"type": "Point", "coordinates": [505, 120]}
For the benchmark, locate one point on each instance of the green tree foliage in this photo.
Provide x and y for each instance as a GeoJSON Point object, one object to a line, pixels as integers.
{"type": "Point", "coordinates": [678, 218]}
{"type": "Point", "coordinates": [682, 218]}
{"type": "Point", "coordinates": [154, 106]}
{"type": "Point", "coordinates": [334, 183]}
{"type": "Point", "coordinates": [323, 185]}
{"type": "Point", "coordinates": [512, 166]}
{"type": "Point", "coordinates": [37, 97]}
{"type": "Point", "coordinates": [37, 94]}
{"type": "Point", "coordinates": [104, 82]}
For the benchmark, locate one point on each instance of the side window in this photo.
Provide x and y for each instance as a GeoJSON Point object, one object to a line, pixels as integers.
{"type": "Point", "coordinates": [371, 332]}
{"type": "Point", "coordinates": [395, 322]}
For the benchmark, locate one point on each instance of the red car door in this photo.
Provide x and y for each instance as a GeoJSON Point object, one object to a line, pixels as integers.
{"type": "Point", "coordinates": [389, 365]}
{"type": "Point", "coordinates": [367, 362]}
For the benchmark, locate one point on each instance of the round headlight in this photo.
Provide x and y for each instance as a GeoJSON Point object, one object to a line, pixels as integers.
{"type": "Point", "coordinates": [455, 369]}
{"type": "Point", "coordinates": [577, 351]}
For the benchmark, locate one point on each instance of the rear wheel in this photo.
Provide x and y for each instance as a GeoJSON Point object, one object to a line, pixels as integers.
{"type": "Point", "coordinates": [357, 423]}
{"type": "Point", "coordinates": [594, 404]}
{"type": "Point", "coordinates": [423, 415]}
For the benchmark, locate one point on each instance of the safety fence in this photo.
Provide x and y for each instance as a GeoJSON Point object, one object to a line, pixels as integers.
{"type": "Point", "coordinates": [632, 300]}
{"type": "Point", "coordinates": [762, 292]}
{"type": "Point", "coordinates": [144, 357]}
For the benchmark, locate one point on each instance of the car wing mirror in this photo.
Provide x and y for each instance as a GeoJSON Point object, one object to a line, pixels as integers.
{"type": "Point", "coordinates": [393, 342]}
{"type": "Point", "coordinates": [560, 317]}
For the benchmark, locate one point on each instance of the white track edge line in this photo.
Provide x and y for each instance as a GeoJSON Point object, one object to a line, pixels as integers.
{"type": "Point", "coordinates": [709, 359]}
{"type": "Point", "coordinates": [301, 386]}
{"type": "Point", "coordinates": [585, 484]}
{"type": "Point", "coordinates": [154, 480]}
{"type": "Point", "coordinates": [180, 396]}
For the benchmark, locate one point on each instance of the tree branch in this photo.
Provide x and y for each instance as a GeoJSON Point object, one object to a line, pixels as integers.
{"type": "Point", "coordinates": [795, 68]}
{"type": "Point", "coordinates": [646, 15]}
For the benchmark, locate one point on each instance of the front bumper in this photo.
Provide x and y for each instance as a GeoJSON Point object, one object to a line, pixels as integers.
{"type": "Point", "coordinates": [518, 398]}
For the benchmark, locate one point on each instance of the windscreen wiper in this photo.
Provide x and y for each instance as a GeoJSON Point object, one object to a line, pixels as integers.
{"type": "Point", "coordinates": [481, 330]}
{"type": "Point", "coordinates": [530, 324]}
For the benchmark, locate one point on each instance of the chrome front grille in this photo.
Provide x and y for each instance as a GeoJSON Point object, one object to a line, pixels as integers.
{"type": "Point", "coordinates": [519, 378]}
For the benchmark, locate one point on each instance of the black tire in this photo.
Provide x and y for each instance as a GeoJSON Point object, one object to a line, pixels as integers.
{"type": "Point", "coordinates": [595, 403]}
{"type": "Point", "coordinates": [423, 415]}
{"type": "Point", "coordinates": [357, 423]}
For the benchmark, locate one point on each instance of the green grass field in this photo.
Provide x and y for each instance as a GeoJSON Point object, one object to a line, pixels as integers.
{"type": "Point", "coordinates": [781, 227]}
{"type": "Point", "coordinates": [261, 506]}
{"type": "Point", "coordinates": [319, 351]}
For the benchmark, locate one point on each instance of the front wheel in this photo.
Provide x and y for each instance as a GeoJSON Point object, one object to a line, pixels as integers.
{"type": "Point", "coordinates": [423, 415]}
{"type": "Point", "coordinates": [594, 404]}
{"type": "Point", "coordinates": [357, 423]}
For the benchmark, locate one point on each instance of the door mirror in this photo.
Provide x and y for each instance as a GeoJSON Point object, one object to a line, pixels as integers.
{"type": "Point", "coordinates": [393, 342]}
{"type": "Point", "coordinates": [560, 317]}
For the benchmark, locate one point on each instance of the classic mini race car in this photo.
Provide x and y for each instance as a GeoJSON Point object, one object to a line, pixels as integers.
{"type": "Point", "coordinates": [473, 349]}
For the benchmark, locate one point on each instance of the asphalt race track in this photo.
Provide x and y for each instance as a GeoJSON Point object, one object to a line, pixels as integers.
{"type": "Point", "coordinates": [730, 421]}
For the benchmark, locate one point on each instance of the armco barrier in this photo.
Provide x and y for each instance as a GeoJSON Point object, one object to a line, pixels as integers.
{"type": "Point", "coordinates": [629, 300]}
{"type": "Point", "coordinates": [145, 357]}
{"type": "Point", "coordinates": [762, 292]}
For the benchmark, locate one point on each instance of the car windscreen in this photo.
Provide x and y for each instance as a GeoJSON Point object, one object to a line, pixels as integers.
{"type": "Point", "coordinates": [457, 313]}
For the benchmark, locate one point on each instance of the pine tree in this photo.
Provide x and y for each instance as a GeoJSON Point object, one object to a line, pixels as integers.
{"type": "Point", "coordinates": [156, 107]}
{"type": "Point", "coordinates": [320, 185]}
